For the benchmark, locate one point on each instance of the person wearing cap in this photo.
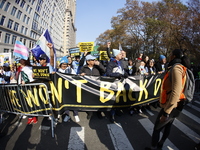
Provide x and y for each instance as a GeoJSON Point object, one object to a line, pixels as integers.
{"type": "Point", "coordinates": [66, 68]}
{"type": "Point", "coordinates": [92, 68]}
{"type": "Point", "coordinates": [115, 69]}
{"type": "Point", "coordinates": [43, 58]}
{"type": "Point", "coordinates": [161, 66]}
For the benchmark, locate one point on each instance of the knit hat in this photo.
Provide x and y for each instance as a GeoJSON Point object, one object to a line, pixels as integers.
{"type": "Point", "coordinates": [116, 52]}
{"type": "Point", "coordinates": [162, 57]}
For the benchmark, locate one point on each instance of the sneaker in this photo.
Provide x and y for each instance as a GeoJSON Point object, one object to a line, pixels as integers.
{"type": "Point", "coordinates": [30, 120]}
{"type": "Point", "coordinates": [77, 118]}
{"type": "Point", "coordinates": [24, 117]}
{"type": "Point", "coordinates": [66, 118]}
{"type": "Point", "coordinates": [35, 120]}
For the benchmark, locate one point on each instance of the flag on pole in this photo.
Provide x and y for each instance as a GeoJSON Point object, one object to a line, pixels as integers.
{"type": "Point", "coordinates": [120, 47]}
{"type": "Point", "coordinates": [41, 47]}
{"type": "Point", "coordinates": [20, 50]}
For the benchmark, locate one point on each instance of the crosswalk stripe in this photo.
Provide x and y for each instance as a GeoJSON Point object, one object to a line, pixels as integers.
{"type": "Point", "coordinates": [119, 138]}
{"type": "Point", "coordinates": [197, 102]}
{"type": "Point", "coordinates": [76, 139]}
{"type": "Point", "coordinates": [148, 125]}
{"type": "Point", "coordinates": [191, 116]}
{"type": "Point", "coordinates": [149, 112]}
{"type": "Point", "coordinates": [190, 133]}
{"type": "Point", "coordinates": [194, 107]}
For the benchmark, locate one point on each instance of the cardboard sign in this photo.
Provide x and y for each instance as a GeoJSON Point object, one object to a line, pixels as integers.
{"type": "Point", "coordinates": [41, 72]}
{"type": "Point", "coordinates": [86, 46]}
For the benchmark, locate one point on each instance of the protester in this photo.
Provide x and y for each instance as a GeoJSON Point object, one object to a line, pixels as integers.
{"type": "Point", "coordinates": [92, 68]}
{"type": "Point", "coordinates": [26, 76]}
{"type": "Point", "coordinates": [161, 65]}
{"type": "Point", "coordinates": [141, 69]}
{"type": "Point", "coordinates": [172, 99]}
{"type": "Point", "coordinates": [6, 73]}
{"type": "Point", "coordinates": [65, 68]}
{"type": "Point", "coordinates": [131, 68]}
{"type": "Point", "coordinates": [150, 67]}
{"type": "Point", "coordinates": [115, 69]}
{"type": "Point", "coordinates": [75, 64]}
{"type": "Point", "coordinates": [43, 59]}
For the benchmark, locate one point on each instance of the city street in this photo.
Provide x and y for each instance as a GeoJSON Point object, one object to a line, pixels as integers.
{"type": "Point", "coordinates": [130, 132]}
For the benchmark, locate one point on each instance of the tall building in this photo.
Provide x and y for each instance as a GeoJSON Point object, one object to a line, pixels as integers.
{"type": "Point", "coordinates": [69, 27]}
{"type": "Point", "coordinates": [25, 21]}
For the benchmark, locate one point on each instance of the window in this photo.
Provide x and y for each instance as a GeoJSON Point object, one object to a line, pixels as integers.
{"type": "Point", "coordinates": [24, 41]}
{"type": "Point", "coordinates": [7, 38]}
{"type": "Point", "coordinates": [13, 11]}
{"type": "Point", "coordinates": [24, 18]}
{"type": "Point", "coordinates": [2, 3]}
{"type": "Point", "coordinates": [6, 50]}
{"type": "Point", "coordinates": [19, 14]}
{"type": "Point", "coordinates": [16, 26]}
{"type": "Point", "coordinates": [14, 39]}
{"type": "Point", "coordinates": [2, 20]}
{"type": "Point", "coordinates": [27, 20]}
{"type": "Point", "coordinates": [7, 6]}
{"type": "Point", "coordinates": [10, 22]}
{"type": "Point", "coordinates": [22, 29]}
{"type": "Point", "coordinates": [25, 32]}
{"type": "Point", "coordinates": [20, 39]}
{"type": "Point", "coordinates": [17, 1]}
{"type": "Point", "coordinates": [22, 3]}
{"type": "Point", "coordinates": [30, 10]}
{"type": "Point", "coordinates": [33, 2]}
{"type": "Point", "coordinates": [27, 7]}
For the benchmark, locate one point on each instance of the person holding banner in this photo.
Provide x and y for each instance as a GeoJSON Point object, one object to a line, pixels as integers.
{"type": "Point", "coordinates": [65, 68]}
{"type": "Point", "coordinates": [172, 98]}
{"type": "Point", "coordinates": [92, 68]}
{"type": "Point", "coordinates": [115, 69]}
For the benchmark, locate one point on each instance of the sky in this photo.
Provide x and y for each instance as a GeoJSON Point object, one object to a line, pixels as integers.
{"type": "Point", "coordinates": [93, 17]}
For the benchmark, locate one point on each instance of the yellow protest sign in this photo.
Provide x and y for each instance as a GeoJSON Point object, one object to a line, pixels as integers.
{"type": "Point", "coordinates": [86, 46]}
{"type": "Point", "coordinates": [103, 55]}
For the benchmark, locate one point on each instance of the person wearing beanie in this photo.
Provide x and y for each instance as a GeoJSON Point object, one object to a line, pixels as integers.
{"type": "Point", "coordinates": [161, 65]}
{"type": "Point", "coordinates": [115, 69]}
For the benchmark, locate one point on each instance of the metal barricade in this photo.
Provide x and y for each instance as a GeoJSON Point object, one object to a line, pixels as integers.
{"type": "Point", "coordinates": [29, 99]}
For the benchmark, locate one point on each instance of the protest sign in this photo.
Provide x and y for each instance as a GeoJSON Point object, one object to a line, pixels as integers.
{"type": "Point", "coordinates": [41, 72]}
{"type": "Point", "coordinates": [86, 46]}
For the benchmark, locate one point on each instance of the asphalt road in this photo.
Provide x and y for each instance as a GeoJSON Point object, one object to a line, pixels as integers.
{"type": "Point", "coordinates": [128, 133]}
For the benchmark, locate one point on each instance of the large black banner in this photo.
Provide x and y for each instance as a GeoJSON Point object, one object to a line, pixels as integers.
{"type": "Point", "coordinates": [73, 92]}
{"type": "Point", "coordinates": [102, 93]}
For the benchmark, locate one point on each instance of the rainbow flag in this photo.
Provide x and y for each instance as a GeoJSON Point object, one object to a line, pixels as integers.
{"type": "Point", "coordinates": [20, 50]}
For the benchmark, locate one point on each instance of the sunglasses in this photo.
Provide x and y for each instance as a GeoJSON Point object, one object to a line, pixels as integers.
{"type": "Point", "coordinates": [42, 59]}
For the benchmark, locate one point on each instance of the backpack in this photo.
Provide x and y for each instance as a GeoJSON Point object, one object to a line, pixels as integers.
{"type": "Point", "coordinates": [189, 85]}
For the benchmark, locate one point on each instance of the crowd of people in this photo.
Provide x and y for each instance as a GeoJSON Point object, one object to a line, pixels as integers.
{"type": "Point", "coordinates": [118, 66]}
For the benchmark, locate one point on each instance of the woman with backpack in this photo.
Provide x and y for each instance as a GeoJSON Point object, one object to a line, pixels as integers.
{"type": "Point", "coordinates": [172, 99]}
